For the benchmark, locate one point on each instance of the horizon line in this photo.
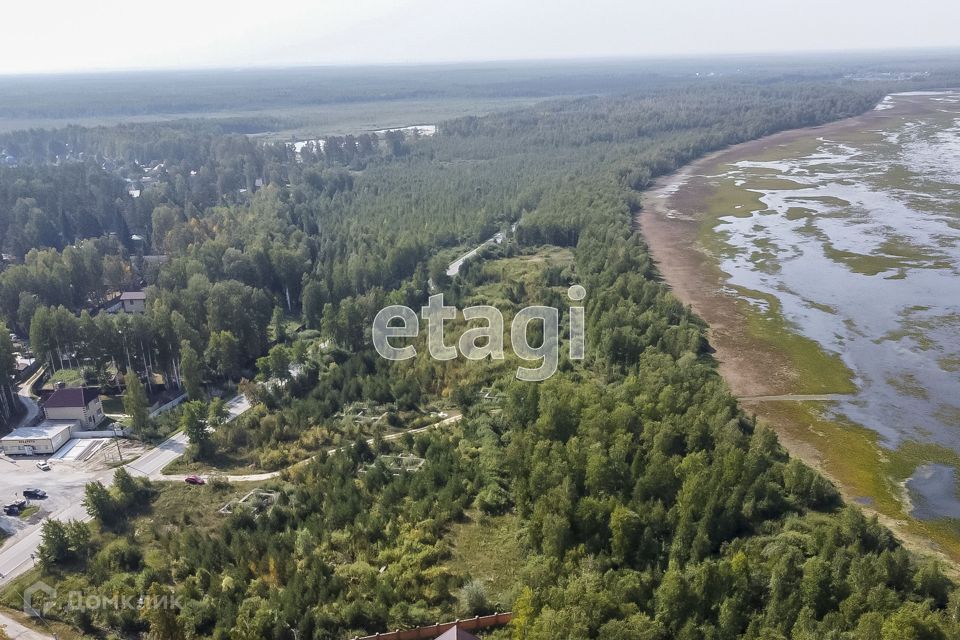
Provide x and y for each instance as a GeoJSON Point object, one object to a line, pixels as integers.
{"type": "Point", "coordinates": [414, 64]}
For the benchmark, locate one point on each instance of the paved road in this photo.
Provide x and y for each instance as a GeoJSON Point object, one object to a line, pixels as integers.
{"type": "Point", "coordinates": [16, 631]}
{"type": "Point", "coordinates": [454, 267]}
{"type": "Point", "coordinates": [152, 463]}
{"type": "Point", "coordinates": [17, 557]}
{"type": "Point", "coordinates": [24, 393]}
{"type": "Point", "coordinates": [65, 485]}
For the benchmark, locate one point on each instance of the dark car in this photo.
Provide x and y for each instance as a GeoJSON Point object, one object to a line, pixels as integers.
{"type": "Point", "coordinates": [34, 494]}
{"type": "Point", "coordinates": [194, 480]}
{"type": "Point", "coordinates": [14, 508]}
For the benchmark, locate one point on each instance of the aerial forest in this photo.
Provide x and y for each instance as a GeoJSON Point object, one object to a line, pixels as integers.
{"type": "Point", "coordinates": [641, 501]}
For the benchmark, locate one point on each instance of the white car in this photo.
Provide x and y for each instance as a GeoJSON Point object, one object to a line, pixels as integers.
{"type": "Point", "coordinates": [43, 466]}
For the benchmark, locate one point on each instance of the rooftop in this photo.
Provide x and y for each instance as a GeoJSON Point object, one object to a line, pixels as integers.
{"type": "Point", "coordinates": [46, 429]}
{"type": "Point", "coordinates": [133, 295]}
{"type": "Point", "coordinates": [456, 633]}
{"type": "Point", "coordinates": [72, 397]}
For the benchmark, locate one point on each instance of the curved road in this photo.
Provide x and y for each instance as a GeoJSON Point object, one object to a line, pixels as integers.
{"type": "Point", "coordinates": [26, 398]}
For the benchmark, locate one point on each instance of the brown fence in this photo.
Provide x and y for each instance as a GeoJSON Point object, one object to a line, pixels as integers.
{"type": "Point", "coordinates": [434, 630]}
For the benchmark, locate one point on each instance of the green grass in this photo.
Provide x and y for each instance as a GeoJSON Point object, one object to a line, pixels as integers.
{"type": "Point", "coordinates": [232, 462]}
{"type": "Point", "coordinates": [69, 377]}
{"type": "Point", "coordinates": [53, 628]}
{"type": "Point", "coordinates": [11, 603]}
{"type": "Point", "coordinates": [197, 507]}
{"type": "Point", "coordinates": [490, 549]}
{"type": "Point", "coordinates": [29, 511]}
{"type": "Point", "coordinates": [527, 268]}
{"type": "Point", "coordinates": [804, 145]}
{"type": "Point", "coordinates": [727, 199]}
{"type": "Point", "coordinates": [112, 404]}
{"type": "Point", "coordinates": [817, 371]}
{"type": "Point", "coordinates": [891, 255]}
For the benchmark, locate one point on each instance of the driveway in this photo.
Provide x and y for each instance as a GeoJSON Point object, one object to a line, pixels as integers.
{"type": "Point", "coordinates": [26, 398]}
{"type": "Point", "coordinates": [152, 463]}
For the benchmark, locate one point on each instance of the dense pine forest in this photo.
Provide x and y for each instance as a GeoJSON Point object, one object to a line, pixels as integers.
{"type": "Point", "coordinates": [645, 504]}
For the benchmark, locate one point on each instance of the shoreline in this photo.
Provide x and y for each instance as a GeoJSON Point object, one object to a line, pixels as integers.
{"type": "Point", "coordinates": [761, 374]}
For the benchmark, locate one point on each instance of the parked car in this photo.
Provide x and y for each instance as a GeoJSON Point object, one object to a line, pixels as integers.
{"type": "Point", "coordinates": [194, 480]}
{"type": "Point", "coordinates": [43, 465]}
{"type": "Point", "coordinates": [34, 494]}
{"type": "Point", "coordinates": [14, 508]}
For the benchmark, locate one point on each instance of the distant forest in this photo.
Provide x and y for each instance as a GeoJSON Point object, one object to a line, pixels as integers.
{"type": "Point", "coordinates": [200, 92]}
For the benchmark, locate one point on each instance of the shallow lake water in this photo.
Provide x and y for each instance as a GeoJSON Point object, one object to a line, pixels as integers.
{"type": "Point", "coordinates": [859, 240]}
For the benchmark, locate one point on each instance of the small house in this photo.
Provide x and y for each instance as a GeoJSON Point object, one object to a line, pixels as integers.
{"type": "Point", "coordinates": [75, 403]}
{"type": "Point", "coordinates": [133, 302]}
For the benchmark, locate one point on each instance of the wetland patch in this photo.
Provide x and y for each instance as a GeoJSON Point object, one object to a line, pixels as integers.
{"type": "Point", "coordinates": [826, 261]}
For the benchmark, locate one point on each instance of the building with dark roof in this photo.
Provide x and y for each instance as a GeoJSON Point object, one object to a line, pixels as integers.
{"type": "Point", "coordinates": [75, 403]}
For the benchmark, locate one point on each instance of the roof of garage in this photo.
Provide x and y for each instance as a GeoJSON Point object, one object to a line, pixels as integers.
{"type": "Point", "coordinates": [43, 431]}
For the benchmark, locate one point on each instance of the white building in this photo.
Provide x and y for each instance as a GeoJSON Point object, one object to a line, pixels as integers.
{"type": "Point", "coordinates": [44, 439]}
{"type": "Point", "coordinates": [81, 404]}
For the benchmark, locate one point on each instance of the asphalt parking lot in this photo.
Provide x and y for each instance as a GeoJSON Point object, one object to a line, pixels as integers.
{"type": "Point", "coordinates": [64, 485]}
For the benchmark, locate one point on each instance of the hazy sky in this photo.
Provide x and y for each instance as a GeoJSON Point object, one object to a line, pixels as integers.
{"type": "Point", "coordinates": [72, 35]}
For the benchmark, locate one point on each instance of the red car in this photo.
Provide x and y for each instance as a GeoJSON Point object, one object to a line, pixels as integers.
{"type": "Point", "coordinates": [194, 480]}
